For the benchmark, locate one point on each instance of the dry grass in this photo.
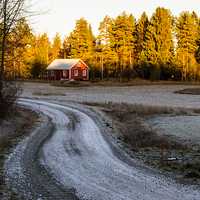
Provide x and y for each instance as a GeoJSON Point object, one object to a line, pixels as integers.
{"type": "Point", "coordinates": [130, 121]}
{"type": "Point", "coordinates": [191, 91]}
{"type": "Point", "coordinates": [142, 141]}
{"type": "Point", "coordinates": [117, 83]}
{"type": "Point", "coordinates": [71, 83]}
{"type": "Point", "coordinates": [124, 110]}
{"type": "Point", "coordinates": [49, 94]}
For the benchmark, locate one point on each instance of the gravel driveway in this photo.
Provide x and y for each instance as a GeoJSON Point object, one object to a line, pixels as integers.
{"type": "Point", "coordinates": [78, 156]}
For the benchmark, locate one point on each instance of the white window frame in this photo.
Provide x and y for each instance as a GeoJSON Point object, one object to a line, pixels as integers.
{"type": "Point", "coordinates": [84, 73]}
{"type": "Point", "coordinates": [76, 72]}
{"type": "Point", "coordinates": [64, 73]}
{"type": "Point", "coordinates": [52, 73]}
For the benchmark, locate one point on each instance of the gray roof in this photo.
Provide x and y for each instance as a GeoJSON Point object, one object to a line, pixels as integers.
{"type": "Point", "coordinates": [63, 64]}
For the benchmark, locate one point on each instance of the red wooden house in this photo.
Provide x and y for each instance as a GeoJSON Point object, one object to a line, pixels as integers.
{"type": "Point", "coordinates": [68, 69]}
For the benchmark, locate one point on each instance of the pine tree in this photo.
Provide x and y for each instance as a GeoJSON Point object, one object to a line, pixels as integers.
{"type": "Point", "coordinates": [55, 50]}
{"type": "Point", "coordinates": [187, 35]}
{"type": "Point", "coordinates": [41, 48]}
{"type": "Point", "coordinates": [158, 47]}
{"type": "Point", "coordinates": [123, 40]}
{"type": "Point", "coordinates": [141, 30]}
{"type": "Point", "coordinates": [66, 51]}
{"type": "Point", "coordinates": [81, 41]}
{"type": "Point", "coordinates": [104, 36]}
{"type": "Point", "coordinates": [105, 54]}
{"type": "Point", "coordinates": [19, 44]}
{"type": "Point", "coordinates": [92, 38]}
{"type": "Point", "coordinates": [197, 53]}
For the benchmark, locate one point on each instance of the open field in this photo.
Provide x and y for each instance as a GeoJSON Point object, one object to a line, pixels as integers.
{"type": "Point", "coordinates": [111, 83]}
{"type": "Point", "coordinates": [157, 95]}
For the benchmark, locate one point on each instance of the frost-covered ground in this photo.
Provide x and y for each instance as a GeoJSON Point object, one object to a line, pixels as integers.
{"type": "Point", "coordinates": [79, 156]}
{"type": "Point", "coordinates": [149, 95]}
{"type": "Point", "coordinates": [186, 128]}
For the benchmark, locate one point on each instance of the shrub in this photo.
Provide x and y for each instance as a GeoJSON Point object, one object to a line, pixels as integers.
{"type": "Point", "coordinates": [8, 96]}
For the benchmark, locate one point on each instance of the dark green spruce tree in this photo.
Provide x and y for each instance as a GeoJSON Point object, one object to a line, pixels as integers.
{"type": "Point", "coordinates": [123, 40]}
{"type": "Point", "coordinates": [141, 29]}
{"type": "Point", "coordinates": [187, 44]}
{"type": "Point", "coordinates": [81, 41]}
{"type": "Point", "coordinates": [106, 57]}
{"type": "Point", "coordinates": [158, 48]}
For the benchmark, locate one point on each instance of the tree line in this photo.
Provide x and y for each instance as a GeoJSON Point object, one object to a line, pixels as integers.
{"type": "Point", "coordinates": [162, 47]}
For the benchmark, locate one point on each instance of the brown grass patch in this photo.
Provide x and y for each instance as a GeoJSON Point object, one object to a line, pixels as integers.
{"type": "Point", "coordinates": [141, 141]}
{"type": "Point", "coordinates": [48, 94]}
{"type": "Point", "coordinates": [125, 110]}
{"type": "Point", "coordinates": [117, 83]}
{"type": "Point", "coordinates": [191, 91]}
{"type": "Point", "coordinates": [71, 83]}
{"type": "Point", "coordinates": [130, 121]}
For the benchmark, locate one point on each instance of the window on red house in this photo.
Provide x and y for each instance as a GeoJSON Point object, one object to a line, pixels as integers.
{"type": "Point", "coordinates": [76, 72]}
{"type": "Point", "coordinates": [64, 73]}
{"type": "Point", "coordinates": [84, 72]}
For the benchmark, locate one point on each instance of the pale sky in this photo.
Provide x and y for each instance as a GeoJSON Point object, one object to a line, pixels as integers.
{"type": "Point", "coordinates": [60, 15]}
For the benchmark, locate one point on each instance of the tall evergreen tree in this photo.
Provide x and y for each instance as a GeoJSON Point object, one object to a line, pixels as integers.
{"type": "Point", "coordinates": [41, 48]}
{"type": "Point", "coordinates": [187, 36]}
{"type": "Point", "coordinates": [106, 55]}
{"type": "Point", "coordinates": [55, 49]}
{"type": "Point", "coordinates": [81, 41]}
{"type": "Point", "coordinates": [158, 47]}
{"type": "Point", "coordinates": [123, 40]}
{"type": "Point", "coordinates": [141, 30]}
{"type": "Point", "coordinates": [18, 46]}
{"type": "Point", "coordinates": [92, 38]}
{"type": "Point", "coordinates": [104, 36]}
{"type": "Point", "coordinates": [197, 53]}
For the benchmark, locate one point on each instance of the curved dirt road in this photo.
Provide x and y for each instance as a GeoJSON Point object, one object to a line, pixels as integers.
{"type": "Point", "coordinates": [75, 160]}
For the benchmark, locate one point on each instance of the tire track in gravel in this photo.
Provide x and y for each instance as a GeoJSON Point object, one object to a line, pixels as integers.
{"type": "Point", "coordinates": [24, 173]}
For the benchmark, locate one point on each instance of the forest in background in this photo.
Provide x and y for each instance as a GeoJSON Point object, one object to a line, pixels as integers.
{"type": "Point", "coordinates": [162, 47]}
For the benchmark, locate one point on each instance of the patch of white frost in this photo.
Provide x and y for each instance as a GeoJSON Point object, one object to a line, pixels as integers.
{"type": "Point", "coordinates": [184, 127]}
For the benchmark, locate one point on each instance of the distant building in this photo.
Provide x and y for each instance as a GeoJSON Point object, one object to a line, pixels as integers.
{"type": "Point", "coordinates": [68, 69]}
